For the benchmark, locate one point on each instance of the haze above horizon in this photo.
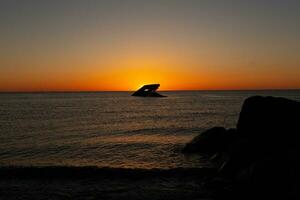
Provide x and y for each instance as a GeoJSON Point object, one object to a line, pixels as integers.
{"type": "Point", "coordinates": [121, 45]}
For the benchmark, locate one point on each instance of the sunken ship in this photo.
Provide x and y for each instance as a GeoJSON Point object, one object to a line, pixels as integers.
{"type": "Point", "coordinates": [148, 91]}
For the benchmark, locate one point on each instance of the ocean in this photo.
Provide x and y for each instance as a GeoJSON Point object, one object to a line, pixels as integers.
{"type": "Point", "coordinates": [114, 129]}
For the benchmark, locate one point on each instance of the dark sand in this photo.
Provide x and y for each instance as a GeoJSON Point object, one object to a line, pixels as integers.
{"type": "Point", "coordinates": [104, 183]}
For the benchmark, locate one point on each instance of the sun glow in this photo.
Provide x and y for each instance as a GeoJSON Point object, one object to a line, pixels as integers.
{"type": "Point", "coordinates": [132, 72]}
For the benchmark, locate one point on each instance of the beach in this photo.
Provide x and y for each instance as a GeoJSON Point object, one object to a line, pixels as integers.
{"type": "Point", "coordinates": [95, 183]}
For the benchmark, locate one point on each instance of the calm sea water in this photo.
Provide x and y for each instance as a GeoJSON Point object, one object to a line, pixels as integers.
{"type": "Point", "coordinates": [113, 129]}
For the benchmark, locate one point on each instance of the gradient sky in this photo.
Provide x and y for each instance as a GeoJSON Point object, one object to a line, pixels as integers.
{"type": "Point", "coordinates": [120, 45]}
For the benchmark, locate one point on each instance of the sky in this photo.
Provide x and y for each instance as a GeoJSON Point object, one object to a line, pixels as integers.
{"type": "Point", "coordinates": [117, 45]}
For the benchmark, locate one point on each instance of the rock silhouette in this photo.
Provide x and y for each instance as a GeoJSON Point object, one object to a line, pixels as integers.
{"type": "Point", "coordinates": [271, 120]}
{"type": "Point", "coordinates": [148, 91]}
{"type": "Point", "coordinates": [261, 157]}
{"type": "Point", "coordinates": [211, 141]}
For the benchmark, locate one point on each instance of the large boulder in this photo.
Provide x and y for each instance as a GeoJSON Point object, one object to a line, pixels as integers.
{"type": "Point", "coordinates": [263, 161]}
{"type": "Point", "coordinates": [210, 141]}
{"type": "Point", "coordinates": [261, 157]}
{"type": "Point", "coordinates": [270, 121]}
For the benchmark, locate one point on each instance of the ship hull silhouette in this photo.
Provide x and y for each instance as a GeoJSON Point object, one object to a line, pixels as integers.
{"type": "Point", "coordinates": [148, 91]}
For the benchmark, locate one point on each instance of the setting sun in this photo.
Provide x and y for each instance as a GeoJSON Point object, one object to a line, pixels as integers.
{"type": "Point", "coordinates": [107, 47]}
{"type": "Point", "coordinates": [149, 99]}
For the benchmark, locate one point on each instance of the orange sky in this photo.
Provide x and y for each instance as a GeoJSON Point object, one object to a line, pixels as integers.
{"type": "Point", "coordinates": [131, 78]}
{"type": "Point", "coordinates": [183, 45]}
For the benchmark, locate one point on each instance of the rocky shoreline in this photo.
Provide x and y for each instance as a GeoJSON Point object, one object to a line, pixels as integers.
{"type": "Point", "coordinates": [260, 158]}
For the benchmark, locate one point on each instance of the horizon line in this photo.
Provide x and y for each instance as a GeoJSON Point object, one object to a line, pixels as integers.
{"type": "Point", "coordinates": [180, 90]}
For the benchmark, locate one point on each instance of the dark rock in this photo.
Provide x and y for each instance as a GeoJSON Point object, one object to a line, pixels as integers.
{"type": "Point", "coordinates": [266, 126]}
{"type": "Point", "coordinates": [269, 177]}
{"type": "Point", "coordinates": [270, 121]}
{"type": "Point", "coordinates": [240, 154]}
{"type": "Point", "coordinates": [262, 156]}
{"type": "Point", "coordinates": [264, 159]}
{"type": "Point", "coordinates": [211, 141]}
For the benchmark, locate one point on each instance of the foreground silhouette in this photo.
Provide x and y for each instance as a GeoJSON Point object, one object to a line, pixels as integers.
{"type": "Point", "coordinates": [148, 91]}
{"type": "Point", "coordinates": [260, 158]}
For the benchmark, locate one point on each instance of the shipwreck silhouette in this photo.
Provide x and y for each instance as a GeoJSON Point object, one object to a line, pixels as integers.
{"type": "Point", "coordinates": [148, 91]}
